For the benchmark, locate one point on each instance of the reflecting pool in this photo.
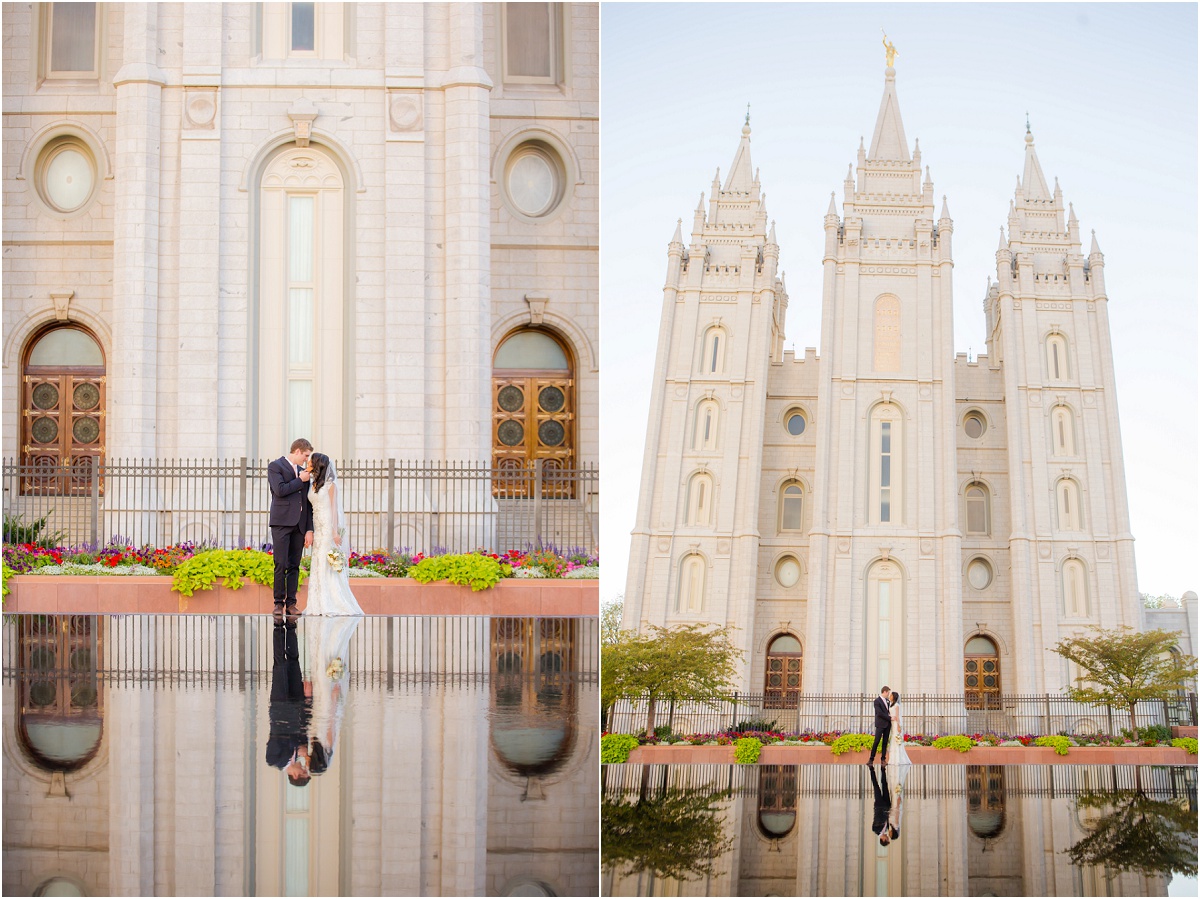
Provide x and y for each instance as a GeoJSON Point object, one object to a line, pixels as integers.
{"type": "Point", "coordinates": [849, 830]}
{"type": "Point", "coordinates": [237, 755]}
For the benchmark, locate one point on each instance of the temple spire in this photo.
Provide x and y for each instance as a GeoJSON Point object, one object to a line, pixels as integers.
{"type": "Point", "coordinates": [888, 140]}
{"type": "Point", "coordinates": [1033, 180]}
{"type": "Point", "coordinates": [741, 173]}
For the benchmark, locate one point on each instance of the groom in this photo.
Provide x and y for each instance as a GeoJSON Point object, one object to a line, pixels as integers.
{"type": "Point", "coordinates": [291, 520]}
{"type": "Point", "coordinates": [883, 724]}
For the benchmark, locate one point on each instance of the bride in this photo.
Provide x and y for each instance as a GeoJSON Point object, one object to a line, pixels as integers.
{"type": "Point", "coordinates": [328, 589]}
{"type": "Point", "coordinates": [896, 753]}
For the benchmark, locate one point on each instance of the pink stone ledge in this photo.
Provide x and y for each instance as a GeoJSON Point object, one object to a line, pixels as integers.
{"type": "Point", "coordinates": [919, 755]}
{"type": "Point", "coordinates": [119, 595]}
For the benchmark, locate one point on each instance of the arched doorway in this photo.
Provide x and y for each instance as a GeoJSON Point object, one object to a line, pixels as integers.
{"type": "Point", "coordinates": [533, 412]}
{"type": "Point", "coordinates": [62, 411]}
{"type": "Point", "coordinates": [785, 667]}
{"type": "Point", "coordinates": [981, 673]}
{"type": "Point", "coordinates": [776, 800]}
{"type": "Point", "coordinates": [985, 800]}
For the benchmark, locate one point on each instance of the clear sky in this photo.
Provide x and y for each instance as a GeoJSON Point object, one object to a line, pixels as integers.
{"type": "Point", "coordinates": [1111, 94]}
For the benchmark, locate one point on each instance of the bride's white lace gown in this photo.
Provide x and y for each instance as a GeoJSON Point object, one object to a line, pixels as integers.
{"type": "Point", "coordinates": [896, 752]}
{"type": "Point", "coordinates": [328, 590]}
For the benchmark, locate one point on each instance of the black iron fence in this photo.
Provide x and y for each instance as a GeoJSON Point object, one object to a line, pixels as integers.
{"type": "Point", "coordinates": [920, 713]}
{"type": "Point", "coordinates": [1053, 781]}
{"type": "Point", "coordinates": [389, 504]}
{"type": "Point", "coordinates": [236, 650]}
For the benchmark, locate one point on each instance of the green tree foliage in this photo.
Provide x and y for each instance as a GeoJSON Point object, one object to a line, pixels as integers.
{"type": "Point", "coordinates": [1123, 666]}
{"type": "Point", "coordinates": [678, 834]}
{"type": "Point", "coordinates": [1139, 834]}
{"type": "Point", "coordinates": [610, 621]}
{"type": "Point", "coordinates": [689, 661]}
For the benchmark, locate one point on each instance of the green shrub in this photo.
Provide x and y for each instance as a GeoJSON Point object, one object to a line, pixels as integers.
{"type": "Point", "coordinates": [202, 570]}
{"type": "Point", "coordinates": [615, 748]}
{"type": "Point", "coordinates": [958, 741]}
{"type": "Point", "coordinates": [746, 750]}
{"type": "Point", "coordinates": [17, 531]}
{"type": "Point", "coordinates": [1188, 743]}
{"type": "Point", "coordinates": [8, 572]}
{"type": "Point", "coordinates": [1060, 744]}
{"type": "Point", "coordinates": [759, 724]}
{"type": "Point", "coordinates": [1160, 733]}
{"type": "Point", "coordinates": [469, 569]}
{"type": "Point", "coordinates": [851, 743]}
{"type": "Point", "coordinates": [663, 733]}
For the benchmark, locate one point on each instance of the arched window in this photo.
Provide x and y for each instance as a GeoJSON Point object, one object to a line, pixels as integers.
{"type": "Point", "coordinates": [705, 433]}
{"type": "Point", "coordinates": [1063, 424]}
{"type": "Point", "coordinates": [887, 334]}
{"type": "Point", "coordinates": [533, 407]}
{"type": "Point", "coordinates": [776, 800]}
{"type": "Point", "coordinates": [1070, 515]}
{"type": "Point", "coordinates": [62, 411]}
{"type": "Point", "coordinates": [1075, 593]}
{"type": "Point", "coordinates": [700, 499]}
{"type": "Point", "coordinates": [978, 511]}
{"type": "Point", "coordinates": [1056, 357]}
{"type": "Point", "coordinates": [791, 507]}
{"type": "Point", "coordinates": [981, 673]}
{"type": "Point", "coordinates": [886, 459]}
{"type": "Point", "coordinates": [885, 627]}
{"type": "Point", "coordinates": [60, 719]}
{"type": "Point", "coordinates": [785, 666]}
{"type": "Point", "coordinates": [301, 278]}
{"type": "Point", "coordinates": [691, 584]}
{"type": "Point", "coordinates": [712, 358]}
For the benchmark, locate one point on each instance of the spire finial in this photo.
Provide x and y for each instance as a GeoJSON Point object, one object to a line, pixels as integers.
{"type": "Point", "coordinates": [890, 50]}
{"type": "Point", "coordinates": [1027, 131]}
{"type": "Point", "coordinates": [747, 113]}
{"type": "Point", "coordinates": [746, 127]}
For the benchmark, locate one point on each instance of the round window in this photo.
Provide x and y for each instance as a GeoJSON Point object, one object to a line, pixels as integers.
{"type": "Point", "coordinates": [534, 179]}
{"type": "Point", "coordinates": [66, 175]}
{"type": "Point", "coordinates": [979, 573]}
{"type": "Point", "coordinates": [787, 571]}
{"type": "Point", "coordinates": [974, 425]}
{"type": "Point", "coordinates": [795, 423]}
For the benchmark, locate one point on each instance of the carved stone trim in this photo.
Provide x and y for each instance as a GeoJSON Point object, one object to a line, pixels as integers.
{"type": "Point", "coordinates": [62, 304]}
{"type": "Point", "coordinates": [302, 114]}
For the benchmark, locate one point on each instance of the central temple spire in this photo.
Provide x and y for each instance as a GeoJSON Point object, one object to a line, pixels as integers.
{"type": "Point", "coordinates": [888, 141]}
{"type": "Point", "coordinates": [741, 173]}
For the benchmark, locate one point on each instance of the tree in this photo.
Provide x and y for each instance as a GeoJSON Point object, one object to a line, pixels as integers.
{"type": "Point", "coordinates": [678, 834]}
{"type": "Point", "coordinates": [1149, 836]}
{"type": "Point", "coordinates": [683, 662]}
{"type": "Point", "coordinates": [610, 620]}
{"type": "Point", "coordinates": [1123, 666]}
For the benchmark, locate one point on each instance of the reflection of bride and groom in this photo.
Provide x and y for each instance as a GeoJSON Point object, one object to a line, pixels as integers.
{"type": "Point", "coordinates": [306, 712]}
{"type": "Point", "coordinates": [889, 733]}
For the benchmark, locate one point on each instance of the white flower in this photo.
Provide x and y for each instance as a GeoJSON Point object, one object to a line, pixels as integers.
{"type": "Point", "coordinates": [532, 571]}
{"type": "Point", "coordinates": [76, 568]}
{"type": "Point", "coordinates": [588, 572]}
{"type": "Point", "coordinates": [363, 572]}
{"type": "Point", "coordinates": [336, 560]}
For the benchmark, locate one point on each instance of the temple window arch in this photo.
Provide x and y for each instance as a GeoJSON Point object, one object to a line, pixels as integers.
{"type": "Point", "coordinates": [1070, 512]}
{"type": "Point", "coordinates": [690, 598]}
{"type": "Point", "coordinates": [1075, 588]}
{"type": "Point", "coordinates": [699, 499]}
{"type": "Point", "coordinates": [1062, 423]}
{"type": "Point", "coordinates": [784, 672]}
{"type": "Point", "coordinates": [708, 416]}
{"type": "Point", "coordinates": [981, 673]}
{"type": "Point", "coordinates": [791, 507]}
{"type": "Point", "coordinates": [713, 350]}
{"type": "Point", "coordinates": [978, 509]}
{"type": "Point", "coordinates": [1057, 361]}
{"type": "Point", "coordinates": [777, 800]}
{"type": "Point", "coordinates": [886, 455]}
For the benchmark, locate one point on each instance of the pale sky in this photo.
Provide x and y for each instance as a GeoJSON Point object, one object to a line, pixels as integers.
{"type": "Point", "coordinates": [1111, 94]}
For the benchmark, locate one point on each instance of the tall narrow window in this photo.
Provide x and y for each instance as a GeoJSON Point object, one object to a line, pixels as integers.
{"type": "Point", "coordinates": [699, 500]}
{"type": "Point", "coordinates": [1069, 512]}
{"type": "Point", "coordinates": [886, 472]}
{"type": "Point", "coordinates": [791, 507]}
{"type": "Point", "coordinates": [713, 359]}
{"type": "Point", "coordinates": [303, 32]}
{"type": "Point", "coordinates": [300, 243]}
{"type": "Point", "coordinates": [1074, 589]}
{"type": "Point", "coordinates": [532, 43]}
{"type": "Point", "coordinates": [1056, 357]}
{"type": "Point", "coordinates": [72, 42]}
{"type": "Point", "coordinates": [977, 510]}
{"type": "Point", "coordinates": [1063, 424]}
{"type": "Point", "coordinates": [705, 436]}
{"type": "Point", "coordinates": [887, 334]}
{"type": "Point", "coordinates": [691, 584]}
{"type": "Point", "coordinates": [885, 627]}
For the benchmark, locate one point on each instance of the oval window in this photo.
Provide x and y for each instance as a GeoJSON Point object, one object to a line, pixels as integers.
{"type": "Point", "coordinates": [787, 571]}
{"type": "Point", "coordinates": [534, 179]}
{"type": "Point", "coordinates": [66, 175]}
{"type": "Point", "coordinates": [796, 423]}
{"type": "Point", "coordinates": [974, 425]}
{"type": "Point", "coordinates": [979, 573]}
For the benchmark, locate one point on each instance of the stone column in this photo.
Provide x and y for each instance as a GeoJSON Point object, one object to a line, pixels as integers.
{"type": "Point", "coordinates": [133, 416]}
{"type": "Point", "coordinates": [468, 312]}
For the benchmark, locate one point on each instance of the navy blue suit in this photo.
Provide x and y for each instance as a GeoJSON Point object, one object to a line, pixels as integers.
{"type": "Point", "coordinates": [291, 519]}
{"type": "Point", "coordinates": [883, 727]}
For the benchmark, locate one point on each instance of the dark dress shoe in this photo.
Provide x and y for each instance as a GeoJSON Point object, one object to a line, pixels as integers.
{"type": "Point", "coordinates": [292, 610]}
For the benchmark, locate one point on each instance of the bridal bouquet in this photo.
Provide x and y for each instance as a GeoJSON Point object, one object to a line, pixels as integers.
{"type": "Point", "coordinates": [336, 668]}
{"type": "Point", "coordinates": [337, 561]}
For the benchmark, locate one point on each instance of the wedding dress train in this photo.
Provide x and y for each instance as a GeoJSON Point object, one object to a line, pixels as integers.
{"type": "Point", "coordinates": [328, 589]}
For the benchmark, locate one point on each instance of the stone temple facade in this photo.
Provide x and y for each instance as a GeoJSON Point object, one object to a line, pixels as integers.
{"type": "Point", "coordinates": [888, 511]}
{"type": "Point", "coordinates": [230, 224]}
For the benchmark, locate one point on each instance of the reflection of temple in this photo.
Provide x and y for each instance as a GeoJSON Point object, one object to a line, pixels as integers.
{"type": "Point", "coordinates": [964, 831]}
{"type": "Point", "coordinates": [134, 761]}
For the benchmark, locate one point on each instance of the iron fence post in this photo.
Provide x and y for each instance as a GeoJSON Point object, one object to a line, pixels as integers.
{"type": "Point", "coordinates": [1108, 705]}
{"type": "Point", "coordinates": [95, 485]}
{"type": "Point", "coordinates": [537, 501]}
{"type": "Point", "coordinates": [242, 502]}
{"type": "Point", "coordinates": [391, 506]}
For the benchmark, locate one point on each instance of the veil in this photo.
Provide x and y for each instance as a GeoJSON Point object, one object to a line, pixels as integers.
{"type": "Point", "coordinates": [339, 522]}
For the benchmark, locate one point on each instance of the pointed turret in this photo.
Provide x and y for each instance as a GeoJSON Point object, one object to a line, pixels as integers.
{"type": "Point", "coordinates": [741, 173]}
{"type": "Point", "coordinates": [1033, 181]}
{"type": "Point", "coordinates": [945, 208]}
{"type": "Point", "coordinates": [678, 237]}
{"type": "Point", "coordinates": [1095, 250]}
{"type": "Point", "coordinates": [832, 205]}
{"type": "Point", "coordinates": [888, 140]}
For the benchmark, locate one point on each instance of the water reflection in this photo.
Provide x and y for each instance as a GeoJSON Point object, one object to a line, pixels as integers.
{"type": "Point", "coordinates": [161, 755]}
{"type": "Point", "coordinates": [851, 831]}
